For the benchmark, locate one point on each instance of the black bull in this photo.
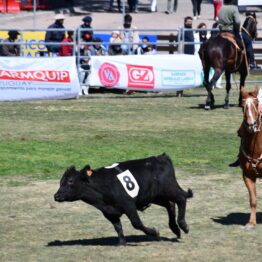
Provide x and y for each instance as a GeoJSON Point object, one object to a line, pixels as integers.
{"type": "Point", "coordinates": [126, 187]}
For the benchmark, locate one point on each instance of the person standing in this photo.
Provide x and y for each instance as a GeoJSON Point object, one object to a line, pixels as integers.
{"type": "Point", "coordinates": [171, 6]}
{"type": "Point", "coordinates": [129, 36]}
{"type": "Point", "coordinates": [88, 32]}
{"type": "Point", "coordinates": [189, 49]}
{"type": "Point", "coordinates": [111, 5]}
{"type": "Point", "coordinates": [55, 36]}
{"type": "Point", "coordinates": [189, 36]}
{"type": "Point", "coordinates": [217, 6]}
{"type": "Point", "coordinates": [196, 8]}
{"type": "Point", "coordinates": [153, 6]}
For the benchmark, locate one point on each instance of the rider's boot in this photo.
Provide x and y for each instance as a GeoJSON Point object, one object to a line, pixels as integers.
{"type": "Point", "coordinates": [252, 62]}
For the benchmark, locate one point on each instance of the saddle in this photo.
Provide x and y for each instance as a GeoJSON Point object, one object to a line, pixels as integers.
{"type": "Point", "coordinates": [240, 48]}
{"type": "Point", "coordinates": [231, 37]}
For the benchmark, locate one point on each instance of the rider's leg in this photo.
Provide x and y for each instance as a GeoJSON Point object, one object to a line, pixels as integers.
{"type": "Point", "coordinates": [250, 51]}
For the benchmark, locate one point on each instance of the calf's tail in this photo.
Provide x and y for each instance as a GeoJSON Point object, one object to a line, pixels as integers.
{"type": "Point", "coordinates": [189, 193]}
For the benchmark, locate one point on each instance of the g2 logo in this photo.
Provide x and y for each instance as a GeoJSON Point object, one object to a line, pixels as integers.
{"type": "Point", "coordinates": [129, 183]}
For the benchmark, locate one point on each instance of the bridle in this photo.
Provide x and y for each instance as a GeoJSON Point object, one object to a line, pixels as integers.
{"type": "Point", "coordinates": [249, 103]}
{"type": "Point", "coordinates": [255, 162]}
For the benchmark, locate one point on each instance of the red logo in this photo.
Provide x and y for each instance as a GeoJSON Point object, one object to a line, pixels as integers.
{"type": "Point", "coordinates": [140, 76]}
{"type": "Point", "coordinates": [108, 74]}
{"type": "Point", "coordinates": [40, 75]}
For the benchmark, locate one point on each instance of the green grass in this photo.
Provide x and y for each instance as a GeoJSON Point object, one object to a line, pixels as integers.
{"type": "Point", "coordinates": [40, 139]}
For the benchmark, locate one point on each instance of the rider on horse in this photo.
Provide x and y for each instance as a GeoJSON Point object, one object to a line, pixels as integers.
{"type": "Point", "coordinates": [229, 21]}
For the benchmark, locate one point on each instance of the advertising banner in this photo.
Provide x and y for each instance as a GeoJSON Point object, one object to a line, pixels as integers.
{"type": "Point", "coordinates": [38, 78]}
{"type": "Point", "coordinates": [147, 72]}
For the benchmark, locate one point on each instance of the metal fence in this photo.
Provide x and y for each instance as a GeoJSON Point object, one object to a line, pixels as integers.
{"type": "Point", "coordinates": [177, 43]}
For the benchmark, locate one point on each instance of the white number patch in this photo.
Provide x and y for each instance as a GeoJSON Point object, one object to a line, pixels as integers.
{"type": "Point", "coordinates": [129, 183]}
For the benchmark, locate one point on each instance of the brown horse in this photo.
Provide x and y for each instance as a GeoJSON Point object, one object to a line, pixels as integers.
{"type": "Point", "coordinates": [222, 52]}
{"type": "Point", "coordinates": [250, 154]}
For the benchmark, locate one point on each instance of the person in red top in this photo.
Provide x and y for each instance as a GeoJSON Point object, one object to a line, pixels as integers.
{"type": "Point", "coordinates": [67, 50]}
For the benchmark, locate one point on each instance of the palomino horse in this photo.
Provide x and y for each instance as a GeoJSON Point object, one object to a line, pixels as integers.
{"type": "Point", "coordinates": [223, 54]}
{"type": "Point", "coordinates": [250, 154]}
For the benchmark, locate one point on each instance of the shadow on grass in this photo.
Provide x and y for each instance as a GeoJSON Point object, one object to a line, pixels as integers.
{"type": "Point", "coordinates": [236, 219]}
{"type": "Point", "coordinates": [110, 241]}
{"type": "Point", "coordinates": [201, 106]}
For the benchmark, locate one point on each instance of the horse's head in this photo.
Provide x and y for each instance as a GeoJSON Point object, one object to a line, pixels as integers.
{"type": "Point", "coordinates": [250, 110]}
{"type": "Point", "coordinates": [250, 25]}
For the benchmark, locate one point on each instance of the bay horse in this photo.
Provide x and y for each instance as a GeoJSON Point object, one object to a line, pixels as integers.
{"type": "Point", "coordinates": [250, 153]}
{"type": "Point", "coordinates": [224, 55]}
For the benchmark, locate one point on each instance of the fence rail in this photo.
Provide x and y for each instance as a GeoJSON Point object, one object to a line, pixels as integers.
{"type": "Point", "coordinates": [165, 40]}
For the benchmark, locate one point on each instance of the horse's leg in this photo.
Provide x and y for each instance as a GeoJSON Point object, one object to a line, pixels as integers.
{"type": "Point", "coordinates": [210, 97]}
{"type": "Point", "coordinates": [243, 74]}
{"type": "Point", "coordinates": [228, 87]}
{"type": "Point", "coordinates": [251, 186]}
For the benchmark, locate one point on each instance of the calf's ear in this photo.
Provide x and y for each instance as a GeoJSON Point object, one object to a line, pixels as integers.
{"type": "Point", "coordinates": [87, 171]}
{"type": "Point", "coordinates": [70, 170]}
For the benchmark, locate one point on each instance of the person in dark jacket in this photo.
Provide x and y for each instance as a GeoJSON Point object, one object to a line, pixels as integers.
{"type": "Point", "coordinates": [87, 20]}
{"type": "Point", "coordinates": [10, 49]}
{"type": "Point", "coordinates": [189, 36]}
{"type": "Point", "coordinates": [55, 36]}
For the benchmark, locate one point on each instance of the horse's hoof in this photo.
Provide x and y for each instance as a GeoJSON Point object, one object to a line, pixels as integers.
{"type": "Point", "coordinates": [249, 227]}
{"type": "Point", "coordinates": [226, 106]}
{"type": "Point", "coordinates": [207, 107]}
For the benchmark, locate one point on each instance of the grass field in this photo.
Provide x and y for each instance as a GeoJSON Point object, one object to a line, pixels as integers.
{"type": "Point", "coordinates": [40, 139]}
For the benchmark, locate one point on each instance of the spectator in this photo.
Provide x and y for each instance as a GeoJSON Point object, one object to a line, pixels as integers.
{"type": "Point", "coordinates": [129, 36]}
{"type": "Point", "coordinates": [196, 8]}
{"type": "Point", "coordinates": [145, 48]}
{"type": "Point", "coordinates": [171, 7]}
{"type": "Point", "coordinates": [70, 6]}
{"type": "Point", "coordinates": [133, 4]}
{"type": "Point", "coordinates": [55, 36]}
{"type": "Point", "coordinates": [10, 49]}
{"type": "Point", "coordinates": [111, 5]}
{"type": "Point", "coordinates": [188, 36]}
{"type": "Point", "coordinates": [90, 50]}
{"type": "Point", "coordinates": [200, 36]}
{"type": "Point", "coordinates": [88, 32]}
{"type": "Point", "coordinates": [97, 49]}
{"type": "Point", "coordinates": [153, 6]}
{"type": "Point", "coordinates": [115, 49]}
{"type": "Point", "coordinates": [67, 50]}
{"type": "Point", "coordinates": [217, 6]}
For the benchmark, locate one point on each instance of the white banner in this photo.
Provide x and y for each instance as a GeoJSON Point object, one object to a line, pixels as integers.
{"type": "Point", "coordinates": [38, 78]}
{"type": "Point", "coordinates": [147, 72]}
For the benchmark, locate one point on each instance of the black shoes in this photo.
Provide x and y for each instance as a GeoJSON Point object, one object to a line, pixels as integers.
{"type": "Point", "coordinates": [255, 67]}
